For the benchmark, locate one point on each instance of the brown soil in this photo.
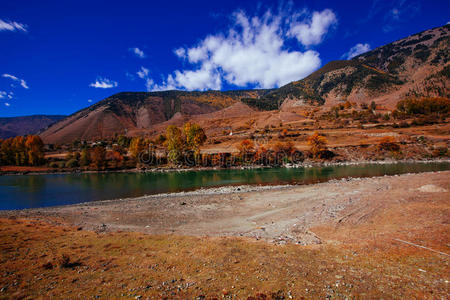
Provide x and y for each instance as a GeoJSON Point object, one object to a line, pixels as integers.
{"type": "Point", "coordinates": [356, 231]}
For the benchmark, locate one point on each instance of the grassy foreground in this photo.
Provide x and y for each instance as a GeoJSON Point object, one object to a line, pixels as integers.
{"type": "Point", "coordinates": [43, 260]}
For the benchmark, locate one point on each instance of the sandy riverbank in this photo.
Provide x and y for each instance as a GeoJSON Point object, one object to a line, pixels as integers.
{"type": "Point", "coordinates": [383, 237]}
{"type": "Point", "coordinates": [275, 213]}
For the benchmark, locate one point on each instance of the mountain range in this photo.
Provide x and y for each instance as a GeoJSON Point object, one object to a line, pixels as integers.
{"type": "Point", "coordinates": [417, 65]}
{"type": "Point", "coordinates": [13, 126]}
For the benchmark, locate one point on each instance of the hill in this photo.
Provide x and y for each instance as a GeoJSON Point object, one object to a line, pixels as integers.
{"type": "Point", "coordinates": [13, 126]}
{"type": "Point", "coordinates": [417, 65]}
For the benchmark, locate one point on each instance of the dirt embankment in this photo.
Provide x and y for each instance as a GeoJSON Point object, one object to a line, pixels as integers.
{"type": "Point", "coordinates": [374, 238]}
{"type": "Point", "coordinates": [280, 214]}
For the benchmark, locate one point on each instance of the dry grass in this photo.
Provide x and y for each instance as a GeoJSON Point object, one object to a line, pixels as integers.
{"type": "Point", "coordinates": [43, 260]}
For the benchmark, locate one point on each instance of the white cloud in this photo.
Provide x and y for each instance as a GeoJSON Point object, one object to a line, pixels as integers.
{"type": "Point", "coordinates": [3, 94]}
{"type": "Point", "coordinates": [251, 52]}
{"type": "Point", "coordinates": [142, 73]}
{"type": "Point", "coordinates": [7, 104]}
{"type": "Point", "coordinates": [12, 26]}
{"type": "Point", "coordinates": [312, 32]}
{"type": "Point", "coordinates": [103, 83]}
{"type": "Point", "coordinates": [356, 50]}
{"type": "Point", "coordinates": [90, 100]}
{"type": "Point", "coordinates": [180, 52]}
{"type": "Point", "coordinates": [14, 78]}
{"type": "Point", "coordinates": [138, 52]}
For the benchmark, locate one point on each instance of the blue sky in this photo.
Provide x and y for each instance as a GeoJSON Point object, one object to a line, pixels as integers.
{"type": "Point", "coordinates": [57, 57]}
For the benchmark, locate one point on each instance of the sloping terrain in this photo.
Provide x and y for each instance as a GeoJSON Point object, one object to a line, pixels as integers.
{"type": "Point", "coordinates": [371, 238]}
{"type": "Point", "coordinates": [14, 126]}
{"type": "Point", "coordinates": [130, 111]}
{"type": "Point", "coordinates": [414, 66]}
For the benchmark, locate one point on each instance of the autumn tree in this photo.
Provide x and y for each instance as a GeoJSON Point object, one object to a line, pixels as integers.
{"type": "Point", "coordinates": [317, 143]}
{"type": "Point", "coordinates": [137, 145]}
{"type": "Point", "coordinates": [19, 150]}
{"type": "Point", "coordinates": [246, 149]}
{"type": "Point", "coordinates": [123, 141]}
{"type": "Point", "coordinates": [117, 159]}
{"type": "Point", "coordinates": [98, 156]}
{"type": "Point", "coordinates": [35, 150]}
{"type": "Point", "coordinates": [85, 158]}
{"type": "Point", "coordinates": [174, 144]}
{"type": "Point", "coordinates": [195, 137]}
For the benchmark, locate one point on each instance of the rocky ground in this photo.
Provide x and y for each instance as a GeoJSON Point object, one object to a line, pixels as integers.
{"type": "Point", "coordinates": [273, 213]}
{"type": "Point", "coordinates": [370, 238]}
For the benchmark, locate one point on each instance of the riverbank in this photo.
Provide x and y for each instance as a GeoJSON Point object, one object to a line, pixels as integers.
{"type": "Point", "coordinates": [273, 213]}
{"type": "Point", "coordinates": [360, 238]}
{"type": "Point", "coordinates": [26, 170]}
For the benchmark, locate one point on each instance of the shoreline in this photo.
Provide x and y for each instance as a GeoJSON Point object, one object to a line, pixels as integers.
{"type": "Point", "coordinates": [249, 167]}
{"type": "Point", "coordinates": [278, 214]}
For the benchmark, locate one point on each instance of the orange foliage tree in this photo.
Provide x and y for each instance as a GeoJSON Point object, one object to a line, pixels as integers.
{"type": "Point", "coordinates": [98, 157]}
{"type": "Point", "coordinates": [22, 151]}
{"type": "Point", "coordinates": [317, 143]}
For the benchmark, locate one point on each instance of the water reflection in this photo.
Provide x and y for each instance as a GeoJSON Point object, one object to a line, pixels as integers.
{"type": "Point", "coordinates": [17, 192]}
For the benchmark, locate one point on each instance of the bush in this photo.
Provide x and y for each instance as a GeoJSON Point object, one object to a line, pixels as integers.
{"type": "Point", "coordinates": [388, 143]}
{"type": "Point", "coordinates": [440, 152]}
{"type": "Point", "coordinates": [423, 106]}
{"type": "Point", "coordinates": [54, 165]}
{"type": "Point", "coordinates": [72, 163]}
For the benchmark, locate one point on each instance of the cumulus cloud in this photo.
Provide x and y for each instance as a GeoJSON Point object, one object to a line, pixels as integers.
{"type": "Point", "coordinates": [138, 52]}
{"type": "Point", "coordinates": [356, 50]}
{"type": "Point", "coordinates": [142, 73]}
{"type": "Point", "coordinates": [312, 31]}
{"type": "Point", "coordinates": [252, 51]}
{"type": "Point", "coordinates": [22, 82]}
{"type": "Point", "coordinates": [12, 26]}
{"type": "Point", "coordinates": [103, 83]}
{"type": "Point", "coordinates": [7, 104]}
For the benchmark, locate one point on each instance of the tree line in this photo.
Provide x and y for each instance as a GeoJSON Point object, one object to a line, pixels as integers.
{"type": "Point", "coordinates": [177, 147]}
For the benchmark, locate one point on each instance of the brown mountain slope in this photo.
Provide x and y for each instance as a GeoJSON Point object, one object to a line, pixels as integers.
{"type": "Point", "coordinates": [414, 66]}
{"type": "Point", "coordinates": [132, 112]}
{"type": "Point", "coordinates": [417, 65]}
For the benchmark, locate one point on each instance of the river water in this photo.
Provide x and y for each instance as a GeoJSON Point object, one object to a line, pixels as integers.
{"type": "Point", "coordinates": [30, 191]}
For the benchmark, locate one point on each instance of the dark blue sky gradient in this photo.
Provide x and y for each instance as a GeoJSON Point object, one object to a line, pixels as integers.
{"type": "Point", "coordinates": [69, 44]}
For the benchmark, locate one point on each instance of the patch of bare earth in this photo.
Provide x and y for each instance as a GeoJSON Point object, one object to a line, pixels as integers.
{"type": "Point", "coordinates": [383, 237]}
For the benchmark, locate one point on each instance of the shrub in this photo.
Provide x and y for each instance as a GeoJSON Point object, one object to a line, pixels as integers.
{"type": "Point", "coordinates": [54, 165]}
{"type": "Point", "coordinates": [388, 143]}
{"type": "Point", "coordinates": [72, 163]}
{"type": "Point", "coordinates": [423, 106]}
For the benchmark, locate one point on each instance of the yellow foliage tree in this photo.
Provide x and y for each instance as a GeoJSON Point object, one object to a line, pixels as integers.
{"type": "Point", "coordinates": [195, 137]}
{"type": "Point", "coordinates": [174, 144]}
